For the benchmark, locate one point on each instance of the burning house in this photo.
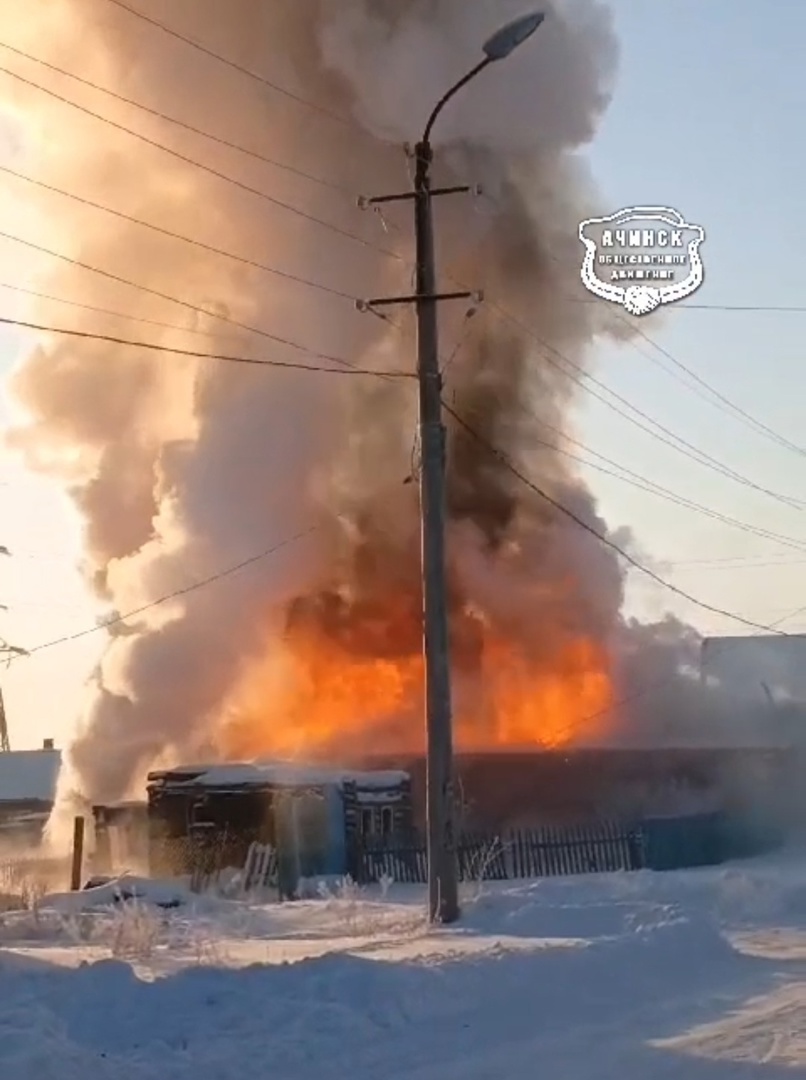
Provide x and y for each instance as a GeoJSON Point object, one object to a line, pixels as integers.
{"type": "Point", "coordinates": [501, 791]}
{"type": "Point", "coordinates": [312, 651]}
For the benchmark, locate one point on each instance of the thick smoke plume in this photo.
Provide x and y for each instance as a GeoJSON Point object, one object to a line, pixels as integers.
{"type": "Point", "coordinates": [182, 468]}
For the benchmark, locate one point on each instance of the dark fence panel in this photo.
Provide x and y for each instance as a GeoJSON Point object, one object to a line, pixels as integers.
{"type": "Point", "coordinates": [522, 853]}
{"type": "Point", "coordinates": [551, 851]}
{"type": "Point", "coordinates": [401, 858]}
{"type": "Point", "coordinates": [582, 849]}
{"type": "Point", "coordinates": [675, 843]}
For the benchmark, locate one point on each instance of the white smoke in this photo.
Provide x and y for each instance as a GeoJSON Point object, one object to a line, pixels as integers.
{"type": "Point", "coordinates": [183, 468]}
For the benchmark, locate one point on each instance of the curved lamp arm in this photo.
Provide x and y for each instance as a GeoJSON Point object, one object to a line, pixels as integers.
{"type": "Point", "coordinates": [498, 47]}
{"type": "Point", "coordinates": [443, 101]}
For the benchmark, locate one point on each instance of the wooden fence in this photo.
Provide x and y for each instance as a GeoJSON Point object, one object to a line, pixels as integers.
{"type": "Point", "coordinates": [261, 867]}
{"type": "Point", "coordinates": [522, 853]}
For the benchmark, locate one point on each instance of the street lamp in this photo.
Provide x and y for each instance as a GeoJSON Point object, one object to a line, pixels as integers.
{"type": "Point", "coordinates": [443, 898]}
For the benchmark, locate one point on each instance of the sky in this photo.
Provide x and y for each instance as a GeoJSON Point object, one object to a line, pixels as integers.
{"type": "Point", "coordinates": [705, 119]}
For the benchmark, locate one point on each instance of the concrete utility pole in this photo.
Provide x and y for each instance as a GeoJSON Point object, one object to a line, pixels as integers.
{"type": "Point", "coordinates": [443, 898]}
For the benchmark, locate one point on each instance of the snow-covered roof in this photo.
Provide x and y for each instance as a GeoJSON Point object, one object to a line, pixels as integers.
{"type": "Point", "coordinates": [29, 775]}
{"type": "Point", "coordinates": [280, 774]}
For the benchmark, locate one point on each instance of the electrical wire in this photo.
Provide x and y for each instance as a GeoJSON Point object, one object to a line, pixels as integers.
{"type": "Point", "coordinates": [627, 699]}
{"type": "Point", "coordinates": [709, 565]}
{"type": "Point", "coordinates": [306, 102]}
{"type": "Point", "coordinates": [176, 300]}
{"type": "Point", "coordinates": [577, 374]}
{"type": "Point", "coordinates": [737, 410]}
{"type": "Point", "coordinates": [178, 236]}
{"type": "Point", "coordinates": [701, 456]}
{"type": "Point", "coordinates": [790, 615]}
{"type": "Point", "coordinates": [643, 483]}
{"type": "Point", "coordinates": [153, 347]}
{"type": "Point", "coordinates": [187, 352]}
{"type": "Point", "coordinates": [461, 338]}
{"type": "Point", "coordinates": [176, 594]}
{"type": "Point", "coordinates": [702, 387]}
{"type": "Point", "coordinates": [757, 425]}
{"type": "Point", "coordinates": [792, 308]}
{"type": "Point", "coordinates": [292, 169]}
{"type": "Point", "coordinates": [312, 218]}
{"type": "Point", "coordinates": [101, 311]}
{"type": "Point", "coordinates": [686, 306]}
{"type": "Point", "coordinates": [494, 452]}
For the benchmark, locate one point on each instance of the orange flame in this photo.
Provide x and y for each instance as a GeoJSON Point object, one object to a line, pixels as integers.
{"type": "Point", "coordinates": [321, 696]}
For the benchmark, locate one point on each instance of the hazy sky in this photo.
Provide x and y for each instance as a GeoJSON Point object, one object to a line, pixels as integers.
{"type": "Point", "coordinates": [707, 118]}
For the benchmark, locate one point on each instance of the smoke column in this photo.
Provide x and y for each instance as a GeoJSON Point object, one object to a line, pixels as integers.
{"type": "Point", "coordinates": [181, 468]}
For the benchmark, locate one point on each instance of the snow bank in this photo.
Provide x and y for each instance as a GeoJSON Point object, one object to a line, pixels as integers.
{"type": "Point", "coordinates": [589, 978]}
{"type": "Point", "coordinates": [337, 1014]}
{"type": "Point", "coordinates": [163, 894]}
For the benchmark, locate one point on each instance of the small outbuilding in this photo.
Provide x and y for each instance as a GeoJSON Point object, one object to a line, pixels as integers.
{"type": "Point", "coordinates": [313, 817]}
{"type": "Point", "coordinates": [28, 781]}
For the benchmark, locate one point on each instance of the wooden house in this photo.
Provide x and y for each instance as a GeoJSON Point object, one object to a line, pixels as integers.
{"type": "Point", "coordinates": [313, 815]}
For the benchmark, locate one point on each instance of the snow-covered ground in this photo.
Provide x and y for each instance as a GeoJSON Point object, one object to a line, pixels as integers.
{"type": "Point", "coordinates": [698, 975]}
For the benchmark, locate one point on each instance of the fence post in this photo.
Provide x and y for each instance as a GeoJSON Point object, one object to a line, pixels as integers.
{"type": "Point", "coordinates": [78, 853]}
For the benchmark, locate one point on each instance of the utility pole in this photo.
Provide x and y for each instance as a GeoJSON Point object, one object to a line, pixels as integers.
{"type": "Point", "coordinates": [5, 744]}
{"type": "Point", "coordinates": [7, 652]}
{"type": "Point", "coordinates": [443, 892]}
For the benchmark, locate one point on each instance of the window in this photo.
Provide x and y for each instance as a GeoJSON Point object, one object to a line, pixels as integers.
{"type": "Point", "coordinates": [377, 821]}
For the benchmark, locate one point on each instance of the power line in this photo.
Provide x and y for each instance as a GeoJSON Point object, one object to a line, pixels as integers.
{"type": "Point", "coordinates": [101, 311]}
{"type": "Point", "coordinates": [292, 169]}
{"type": "Point", "coordinates": [718, 399]}
{"type": "Point", "coordinates": [791, 308]}
{"type": "Point", "coordinates": [682, 446]}
{"type": "Point", "coordinates": [153, 347]}
{"type": "Point", "coordinates": [603, 539]}
{"type": "Point", "coordinates": [658, 684]}
{"type": "Point", "coordinates": [798, 308]}
{"type": "Point", "coordinates": [312, 218]}
{"type": "Point", "coordinates": [178, 236]}
{"type": "Point", "coordinates": [701, 456]}
{"type": "Point", "coordinates": [115, 620]}
{"type": "Point", "coordinates": [345, 120]}
{"type": "Point", "coordinates": [643, 483]}
{"type": "Point", "coordinates": [578, 375]}
{"type": "Point", "coordinates": [674, 441]}
{"type": "Point", "coordinates": [705, 565]}
{"type": "Point", "coordinates": [175, 300]}
{"type": "Point", "coordinates": [721, 401]}
{"type": "Point", "coordinates": [626, 699]}
{"type": "Point", "coordinates": [716, 560]}
{"type": "Point", "coordinates": [790, 615]}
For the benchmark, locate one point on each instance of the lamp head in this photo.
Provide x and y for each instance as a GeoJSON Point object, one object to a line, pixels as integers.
{"type": "Point", "coordinates": [509, 37]}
